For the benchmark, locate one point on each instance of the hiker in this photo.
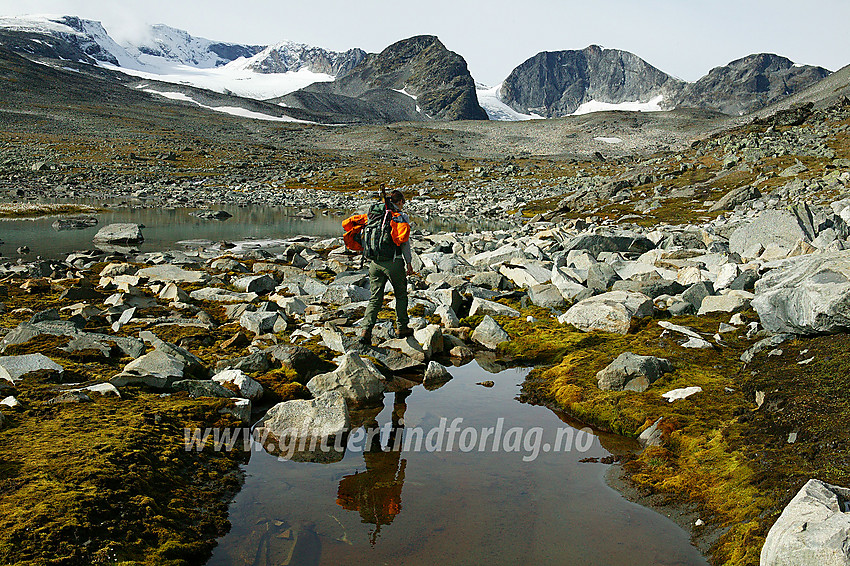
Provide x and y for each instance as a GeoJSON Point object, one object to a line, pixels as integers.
{"type": "Point", "coordinates": [386, 243]}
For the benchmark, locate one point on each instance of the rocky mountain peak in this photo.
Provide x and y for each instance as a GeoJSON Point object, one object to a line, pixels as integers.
{"type": "Point", "coordinates": [557, 83]}
{"type": "Point", "coordinates": [290, 56]}
{"type": "Point", "coordinates": [750, 83]}
{"type": "Point", "coordinates": [421, 68]}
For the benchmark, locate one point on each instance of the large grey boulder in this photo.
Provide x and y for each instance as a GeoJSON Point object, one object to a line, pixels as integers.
{"type": "Point", "coordinates": [345, 294]}
{"type": "Point", "coordinates": [195, 366]}
{"type": "Point", "coordinates": [408, 346]}
{"type": "Point", "coordinates": [546, 296]}
{"type": "Point", "coordinates": [735, 197]}
{"type": "Point", "coordinates": [490, 280]}
{"type": "Point", "coordinates": [262, 322]}
{"type": "Point", "coordinates": [256, 362]}
{"type": "Point", "coordinates": [431, 339]}
{"type": "Point", "coordinates": [813, 530]}
{"type": "Point", "coordinates": [632, 372]}
{"type": "Point", "coordinates": [566, 285]}
{"type": "Point", "coordinates": [807, 295]}
{"type": "Point", "coordinates": [733, 301]}
{"type": "Point", "coordinates": [317, 422]}
{"type": "Point", "coordinates": [525, 275]}
{"type": "Point", "coordinates": [483, 306]}
{"type": "Point", "coordinates": [356, 379]}
{"type": "Point", "coordinates": [155, 369]}
{"type": "Point", "coordinates": [172, 273]}
{"type": "Point", "coordinates": [611, 312]}
{"type": "Point", "coordinates": [337, 341]}
{"type": "Point", "coordinates": [121, 233]}
{"type": "Point", "coordinates": [260, 284]}
{"type": "Point", "coordinates": [217, 295]}
{"type": "Point", "coordinates": [15, 368]}
{"type": "Point", "coordinates": [489, 334]}
{"type": "Point", "coordinates": [771, 227]}
{"type": "Point", "coordinates": [598, 243]}
{"type": "Point", "coordinates": [88, 341]}
{"type": "Point", "coordinates": [497, 256]}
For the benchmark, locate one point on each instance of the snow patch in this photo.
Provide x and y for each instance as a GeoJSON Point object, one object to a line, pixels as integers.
{"type": "Point", "coordinates": [404, 92]}
{"type": "Point", "coordinates": [230, 79]}
{"type": "Point", "coordinates": [653, 105]}
{"type": "Point", "coordinates": [681, 393]}
{"type": "Point", "coordinates": [232, 110]}
{"type": "Point", "coordinates": [608, 140]}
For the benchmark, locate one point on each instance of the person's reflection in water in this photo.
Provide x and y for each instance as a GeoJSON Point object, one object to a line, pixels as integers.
{"type": "Point", "coordinates": [376, 493]}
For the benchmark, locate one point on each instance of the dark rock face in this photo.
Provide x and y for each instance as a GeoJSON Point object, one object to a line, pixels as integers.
{"type": "Point", "coordinates": [556, 83]}
{"type": "Point", "coordinates": [293, 57]}
{"type": "Point", "coordinates": [423, 68]}
{"type": "Point", "coordinates": [750, 83]}
{"type": "Point", "coordinates": [57, 45]}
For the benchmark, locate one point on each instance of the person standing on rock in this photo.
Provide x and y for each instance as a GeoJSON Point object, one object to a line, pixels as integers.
{"type": "Point", "coordinates": [386, 242]}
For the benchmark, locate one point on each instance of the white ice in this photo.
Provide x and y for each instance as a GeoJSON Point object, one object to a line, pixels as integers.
{"type": "Point", "coordinates": [653, 105]}
{"type": "Point", "coordinates": [489, 100]}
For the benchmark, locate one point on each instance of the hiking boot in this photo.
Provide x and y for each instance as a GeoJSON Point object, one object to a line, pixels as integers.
{"type": "Point", "coordinates": [404, 331]}
{"type": "Point", "coordinates": [365, 337]}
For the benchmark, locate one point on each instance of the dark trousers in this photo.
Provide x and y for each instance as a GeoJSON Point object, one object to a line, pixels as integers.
{"type": "Point", "coordinates": [379, 273]}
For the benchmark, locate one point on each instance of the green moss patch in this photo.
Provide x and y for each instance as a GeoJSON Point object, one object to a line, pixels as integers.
{"type": "Point", "coordinates": [720, 450]}
{"type": "Point", "coordinates": [111, 481]}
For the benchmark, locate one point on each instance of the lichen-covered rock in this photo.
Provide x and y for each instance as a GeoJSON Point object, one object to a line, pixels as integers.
{"type": "Point", "coordinates": [770, 227]}
{"type": "Point", "coordinates": [813, 530]}
{"type": "Point", "coordinates": [260, 284]}
{"type": "Point", "coordinates": [15, 368]}
{"type": "Point", "coordinates": [807, 295]}
{"type": "Point", "coordinates": [315, 422]}
{"type": "Point", "coordinates": [155, 369]}
{"type": "Point", "coordinates": [489, 334]}
{"type": "Point", "coordinates": [356, 379]}
{"type": "Point", "coordinates": [262, 322]}
{"type": "Point", "coordinates": [483, 306]}
{"type": "Point", "coordinates": [172, 273]}
{"type": "Point", "coordinates": [611, 312]}
{"type": "Point", "coordinates": [632, 372]}
{"type": "Point", "coordinates": [119, 233]}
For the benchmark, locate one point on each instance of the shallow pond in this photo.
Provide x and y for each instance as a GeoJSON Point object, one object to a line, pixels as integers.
{"type": "Point", "coordinates": [464, 506]}
{"type": "Point", "coordinates": [165, 228]}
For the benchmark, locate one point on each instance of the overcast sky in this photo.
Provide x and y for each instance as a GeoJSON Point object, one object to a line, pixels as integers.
{"type": "Point", "coordinates": [685, 38]}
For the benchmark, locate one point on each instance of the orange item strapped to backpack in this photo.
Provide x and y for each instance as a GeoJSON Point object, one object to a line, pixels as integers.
{"type": "Point", "coordinates": [353, 226]}
{"type": "Point", "coordinates": [400, 229]}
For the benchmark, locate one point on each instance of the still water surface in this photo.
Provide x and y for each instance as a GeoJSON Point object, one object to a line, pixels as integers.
{"type": "Point", "coordinates": [382, 506]}
{"type": "Point", "coordinates": [164, 228]}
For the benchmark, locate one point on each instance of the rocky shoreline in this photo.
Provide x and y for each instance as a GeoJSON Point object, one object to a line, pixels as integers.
{"type": "Point", "coordinates": [696, 301]}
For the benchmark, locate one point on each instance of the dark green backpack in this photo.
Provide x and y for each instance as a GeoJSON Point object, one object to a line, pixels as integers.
{"type": "Point", "coordinates": [378, 242]}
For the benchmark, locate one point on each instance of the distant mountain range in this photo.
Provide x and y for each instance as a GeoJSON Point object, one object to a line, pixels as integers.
{"type": "Point", "coordinates": [413, 79]}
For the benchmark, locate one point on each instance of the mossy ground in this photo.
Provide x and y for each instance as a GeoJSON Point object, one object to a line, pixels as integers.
{"type": "Point", "coordinates": [110, 481]}
{"type": "Point", "coordinates": [720, 451]}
